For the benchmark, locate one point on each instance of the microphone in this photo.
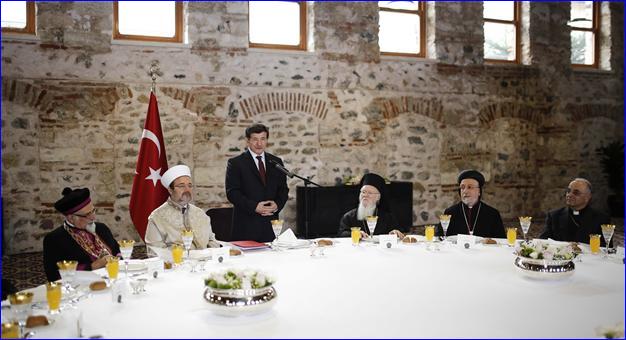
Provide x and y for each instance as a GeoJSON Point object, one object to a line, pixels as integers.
{"type": "Point", "coordinates": [281, 168]}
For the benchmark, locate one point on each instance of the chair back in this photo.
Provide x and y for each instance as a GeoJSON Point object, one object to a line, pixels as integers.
{"type": "Point", "coordinates": [221, 222]}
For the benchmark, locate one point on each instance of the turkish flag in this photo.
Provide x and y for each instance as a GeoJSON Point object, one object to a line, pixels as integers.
{"type": "Point", "coordinates": [148, 193]}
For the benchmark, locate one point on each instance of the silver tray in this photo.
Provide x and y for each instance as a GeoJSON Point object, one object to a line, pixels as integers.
{"type": "Point", "coordinates": [544, 271]}
{"type": "Point", "coordinates": [236, 302]}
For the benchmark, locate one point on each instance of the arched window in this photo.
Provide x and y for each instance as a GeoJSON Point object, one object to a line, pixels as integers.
{"type": "Point", "coordinates": [584, 23]}
{"type": "Point", "coordinates": [148, 21]}
{"type": "Point", "coordinates": [402, 28]}
{"type": "Point", "coordinates": [18, 17]}
{"type": "Point", "coordinates": [277, 24]}
{"type": "Point", "coordinates": [502, 31]}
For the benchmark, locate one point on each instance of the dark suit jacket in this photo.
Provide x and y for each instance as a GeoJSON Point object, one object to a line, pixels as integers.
{"type": "Point", "coordinates": [58, 245]}
{"type": "Point", "coordinates": [386, 222]}
{"type": "Point", "coordinates": [488, 222]}
{"type": "Point", "coordinates": [559, 226]}
{"type": "Point", "coordinates": [245, 190]}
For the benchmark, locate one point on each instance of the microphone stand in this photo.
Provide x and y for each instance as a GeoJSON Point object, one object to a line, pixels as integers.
{"type": "Point", "coordinates": [306, 181]}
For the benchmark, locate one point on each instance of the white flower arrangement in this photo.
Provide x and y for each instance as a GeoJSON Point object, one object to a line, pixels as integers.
{"type": "Point", "coordinates": [543, 250]}
{"type": "Point", "coordinates": [614, 332]}
{"type": "Point", "coordinates": [238, 279]}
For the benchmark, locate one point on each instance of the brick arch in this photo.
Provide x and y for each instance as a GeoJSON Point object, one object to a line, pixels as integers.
{"type": "Point", "coordinates": [48, 98]}
{"type": "Point", "coordinates": [493, 111]}
{"type": "Point", "coordinates": [392, 107]}
{"type": "Point", "coordinates": [580, 112]}
{"type": "Point", "coordinates": [283, 101]}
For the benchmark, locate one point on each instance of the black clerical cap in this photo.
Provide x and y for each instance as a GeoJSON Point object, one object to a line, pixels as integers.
{"type": "Point", "coordinates": [472, 174]}
{"type": "Point", "coordinates": [72, 200]}
{"type": "Point", "coordinates": [379, 183]}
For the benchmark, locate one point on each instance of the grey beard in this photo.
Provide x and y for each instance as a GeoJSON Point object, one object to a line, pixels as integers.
{"type": "Point", "coordinates": [91, 227]}
{"type": "Point", "coordinates": [362, 211]}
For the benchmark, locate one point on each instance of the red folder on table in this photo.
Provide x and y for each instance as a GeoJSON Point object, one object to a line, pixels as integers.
{"type": "Point", "coordinates": [249, 245]}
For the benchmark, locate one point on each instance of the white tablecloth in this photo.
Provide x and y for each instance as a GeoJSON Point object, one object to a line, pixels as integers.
{"type": "Point", "coordinates": [365, 291]}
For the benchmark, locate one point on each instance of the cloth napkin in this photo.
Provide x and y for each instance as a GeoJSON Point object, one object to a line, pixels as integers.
{"type": "Point", "coordinates": [287, 238]}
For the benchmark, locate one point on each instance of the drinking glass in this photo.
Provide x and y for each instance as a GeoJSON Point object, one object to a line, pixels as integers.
{"type": "Point", "coordinates": [126, 248]}
{"type": "Point", "coordinates": [67, 270]}
{"type": "Point", "coordinates": [594, 243]}
{"type": "Point", "coordinates": [277, 226]}
{"type": "Point", "coordinates": [177, 254]}
{"type": "Point", "coordinates": [429, 233]}
{"type": "Point", "coordinates": [524, 222]}
{"type": "Point", "coordinates": [511, 235]}
{"type": "Point", "coordinates": [371, 223]}
{"type": "Point", "coordinates": [53, 296]}
{"type": "Point", "coordinates": [607, 232]}
{"type": "Point", "coordinates": [445, 222]}
{"type": "Point", "coordinates": [10, 330]}
{"type": "Point", "coordinates": [113, 267]}
{"type": "Point", "coordinates": [21, 306]}
{"type": "Point", "coordinates": [355, 233]}
{"type": "Point", "coordinates": [187, 236]}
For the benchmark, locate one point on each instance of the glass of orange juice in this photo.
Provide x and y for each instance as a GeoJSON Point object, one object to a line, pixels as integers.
{"type": "Point", "coordinates": [113, 267]}
{"type": "Point", "coordinates": [429, 232]}
{"type": "Point", "coordinates": [355, 233]}
{"type": "Point", "coordinates": [511, 235]}
{"type": "Point", "coordinates": [594, 243]}
{"type": "Point", "coordinates": [177, 254]}
{"type": "Point", "coordinates": [10, 330]}
{"type": "Point", "coordinates": [53, 296]}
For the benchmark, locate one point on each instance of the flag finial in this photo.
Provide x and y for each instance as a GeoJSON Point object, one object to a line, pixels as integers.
{"type": "Point", "coordinates": [154, 72]}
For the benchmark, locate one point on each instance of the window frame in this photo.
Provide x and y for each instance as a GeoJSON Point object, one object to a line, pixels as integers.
{"type": "Point", "coordinates": [595, 29]}
{"type": "Point", "coordinates": [30, 22]}
{"type": "Point", "coordinates": [421, 13]}
{"type": "Point", "coordinates": [302, 46]}
{"type": "Point", "coordinates": [517, 23]}
{"type": "Point", "coordinates": [178, 27]}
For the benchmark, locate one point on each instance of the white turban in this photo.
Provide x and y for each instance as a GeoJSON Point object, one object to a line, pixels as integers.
{"type": "Point", "coordinates": [173, 173]}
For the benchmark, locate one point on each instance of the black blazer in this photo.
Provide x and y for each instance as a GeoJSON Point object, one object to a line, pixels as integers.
{"type": "Point", "coordinates": [58, 245]}
{"type": "Point", "coordinates": [558, 226]}
{"type": "Point", "coordinates": [245, 190]}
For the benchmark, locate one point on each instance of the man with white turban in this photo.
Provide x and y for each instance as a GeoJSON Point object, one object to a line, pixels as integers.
{"type": "Point", "coordinates": [166, 222]}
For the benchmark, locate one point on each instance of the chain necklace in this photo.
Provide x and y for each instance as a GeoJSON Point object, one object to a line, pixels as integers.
{"type": "Point", "coordinates": [471, 232]}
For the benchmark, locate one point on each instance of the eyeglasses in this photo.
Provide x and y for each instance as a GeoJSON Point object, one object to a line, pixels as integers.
{"type": "Point", "coordinates": [469, 187]}
{"type": "Point", "coordinates": [183, 186]}
{"type": "Point", "coordinates": [575, 192]}
{"type": "Point", "coordinates": [368, 193]}
{"type": "Point", "coordinates": [93, 212]}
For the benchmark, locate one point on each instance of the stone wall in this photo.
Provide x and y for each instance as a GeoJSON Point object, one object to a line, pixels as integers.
{"type": "Point", "coordinates": [73, 106]}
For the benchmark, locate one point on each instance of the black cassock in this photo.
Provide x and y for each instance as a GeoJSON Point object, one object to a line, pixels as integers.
{"type": "Point", "coordinates": [483, 219]}
{"type": "Point", "coordinates": [563, 225]}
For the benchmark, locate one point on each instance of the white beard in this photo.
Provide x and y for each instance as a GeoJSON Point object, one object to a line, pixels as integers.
{"type": "Point", "coordinates": [91, 227]}
{"type": "Point", "coordinates": [362, 211]}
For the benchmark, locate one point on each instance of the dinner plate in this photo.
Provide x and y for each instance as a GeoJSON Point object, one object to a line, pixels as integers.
{"type": "Point", "coordinates": [133, 266]}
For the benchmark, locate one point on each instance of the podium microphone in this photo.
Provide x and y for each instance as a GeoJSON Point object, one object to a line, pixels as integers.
{"type": "Point", "coordinates": [281, 168]}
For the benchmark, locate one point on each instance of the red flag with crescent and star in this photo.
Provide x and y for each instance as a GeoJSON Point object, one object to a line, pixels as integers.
{"type": "Point", "coordinates": [148, 193]}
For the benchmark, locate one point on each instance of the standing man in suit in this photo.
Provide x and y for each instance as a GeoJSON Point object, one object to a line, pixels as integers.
{"type": "Point", "coordinates": [255, 187]}
{"type": "Point", "coordinates": [577, 220]}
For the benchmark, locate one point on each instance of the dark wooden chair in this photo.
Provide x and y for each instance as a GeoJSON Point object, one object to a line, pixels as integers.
{"type": "Point", "coordinates": [221, 222]}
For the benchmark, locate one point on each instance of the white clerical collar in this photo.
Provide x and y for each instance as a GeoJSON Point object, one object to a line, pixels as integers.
{"type": "Point", "coordinates": [575, 212]}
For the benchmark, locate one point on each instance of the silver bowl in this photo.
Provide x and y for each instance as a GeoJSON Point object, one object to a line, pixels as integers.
{"type": "Point", "coordinates": [543, 269]}
{"type": "Point", "coordinates": [235, 302]}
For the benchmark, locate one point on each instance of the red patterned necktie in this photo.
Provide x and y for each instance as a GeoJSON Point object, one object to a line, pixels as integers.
{"type": "Point", "coordinates": [261, 169]}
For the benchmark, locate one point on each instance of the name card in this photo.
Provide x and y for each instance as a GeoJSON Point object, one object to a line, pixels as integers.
{"type": "Point", "coordinates": [465, 241]}
{"type": "Point", "coordinates": [387, 241]}
{"type": "Point", "coordinates": [155, 266]}
{"type": "Point", "coordinates": [220, 255]}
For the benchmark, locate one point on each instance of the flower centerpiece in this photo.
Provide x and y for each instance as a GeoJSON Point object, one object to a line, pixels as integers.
{"type": "Point", "coordinates": [238, 292]}
{"type": "Point", "coordinates": [543, 260]}
{"type": "Point", "coordinates": [546, 251]}
{"type": "Point", "coordinates": [236, 279]}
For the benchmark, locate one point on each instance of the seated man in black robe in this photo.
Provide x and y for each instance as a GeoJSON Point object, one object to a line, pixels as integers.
{"type": "Point", "coordinates": [473, 216]}
{"type": "Point", "coordinates": [577, 220]}
{"type": "Point", "coordinates": [80, 238]}
{"type": "Point", "coordinates": [372, 202]}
